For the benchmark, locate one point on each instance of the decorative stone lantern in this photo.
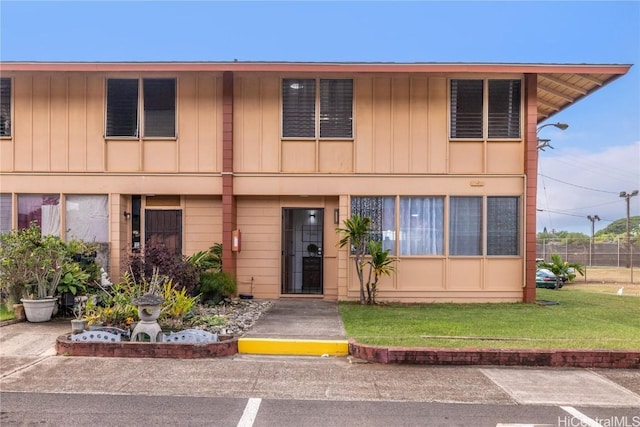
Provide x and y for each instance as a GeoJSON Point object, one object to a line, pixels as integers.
{"type": "Point", "coordinates": [148, 312]}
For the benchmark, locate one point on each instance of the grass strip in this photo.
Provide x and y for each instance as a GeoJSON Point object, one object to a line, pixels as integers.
{"type": "Point", "coordinates": [580, 320]}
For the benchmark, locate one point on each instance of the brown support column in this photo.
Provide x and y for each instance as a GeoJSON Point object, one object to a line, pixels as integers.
{"type": "Point", "coordinates": [228, 199]}
{"type": "Point", "coordinates": [531, 172]}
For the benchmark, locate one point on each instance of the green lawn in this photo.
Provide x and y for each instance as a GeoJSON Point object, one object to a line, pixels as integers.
{"type": "Point", "coordinates": [5, 313]}
{"type": "Point", "coordinates": [581, 320]}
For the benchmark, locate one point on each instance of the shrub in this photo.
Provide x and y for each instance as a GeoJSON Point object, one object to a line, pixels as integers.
{"type": "Point", "coordinates": [175, 266]}
{"type": "Point", "coordinates": [214, 287]}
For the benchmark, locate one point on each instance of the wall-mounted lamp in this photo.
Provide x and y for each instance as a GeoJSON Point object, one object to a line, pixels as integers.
{"type": "Point", "coordinates": [336, 216]}
{"type": "Point", "coordinates": [312, 215]}
{"type": "Point", "coordinates": [127, 215]}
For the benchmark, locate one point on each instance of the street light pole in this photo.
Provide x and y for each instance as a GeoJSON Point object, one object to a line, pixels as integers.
{"type": "Point", "coordinates": [627, 197]}
{"type": "Point", "coordinates": [593, 220]}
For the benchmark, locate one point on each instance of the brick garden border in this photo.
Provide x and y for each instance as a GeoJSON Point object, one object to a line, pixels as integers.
{"type": "Point", "coordinates": [228, 346]}
{"type": "Point", "coordinates": [611, 359]}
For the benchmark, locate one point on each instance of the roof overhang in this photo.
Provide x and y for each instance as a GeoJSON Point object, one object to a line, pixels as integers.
{"type": "Point", "coordinates": [559, 85]}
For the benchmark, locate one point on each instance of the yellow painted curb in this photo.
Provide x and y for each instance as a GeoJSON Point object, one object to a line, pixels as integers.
{"type": "Point", "coordinates": [293, 347]}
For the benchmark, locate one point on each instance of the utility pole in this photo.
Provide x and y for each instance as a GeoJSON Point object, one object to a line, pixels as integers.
{"type": "Point", "coordinates": [628, 196]}
{"type": "Point", "coordinates": [593, 220]}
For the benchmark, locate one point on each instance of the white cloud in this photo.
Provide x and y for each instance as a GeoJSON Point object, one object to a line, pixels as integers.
{"type": "Point", "coordinates": [578, 183]}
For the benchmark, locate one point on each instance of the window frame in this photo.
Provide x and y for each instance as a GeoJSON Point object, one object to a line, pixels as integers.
{"type": "Point", "coordinates": [319, 116]}
{"type": "Point", "coordinates": [485, 227]}
{"type": "Point", "coordinates": [141, 111]}
{"type": "Point", "coordinates": [8, 134]}
{"type": "Point", "coordinates": [486, 95]}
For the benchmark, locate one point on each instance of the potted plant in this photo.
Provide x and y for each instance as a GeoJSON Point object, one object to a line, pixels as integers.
{"type": "Point", "coordinates": [79, 322]}
{"type": "Point", "coordinates": [32, 268]}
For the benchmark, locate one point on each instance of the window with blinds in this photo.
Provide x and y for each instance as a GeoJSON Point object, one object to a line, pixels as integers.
{"type": "Point", "coordinates": [466, 108]}
{"type": "Point", "coordinates": [336, 108]}
{"type": "Point", "coordinates": [299, 108]}
{"type": "Point", "coordinates": [502, 101]}
{"type": "Point", "coordinates": [504, 109]}
{"type": "Point", "coordinates": [5, 106]}
{"type": "Point", "coordinates": [159, 107]}
{"type": "Point", "coordinates": [301, 101]}
{"type": "Point", "coordinates": [122, 107]}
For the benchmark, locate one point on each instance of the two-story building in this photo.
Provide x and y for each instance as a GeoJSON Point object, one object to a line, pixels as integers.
{"type": "Point", "coordinates": [269, 158]}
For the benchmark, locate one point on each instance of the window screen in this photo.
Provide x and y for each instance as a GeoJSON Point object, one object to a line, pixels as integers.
{"type": "Point", "coordinates": [5, 213]}
{"type": "Point", "coordinates": [5, 106]}
{"type": "Point", "coordinates": [122, 107]}
{"type": "Point", "coordinates": [503, 228]}
{"type": "Point", "coordinates": [421, 225]}
{"type": "Point", "coordinates": [465, 226]}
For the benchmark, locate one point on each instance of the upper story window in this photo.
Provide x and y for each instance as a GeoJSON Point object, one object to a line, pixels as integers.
{"type": "Point", "coordinates": [5, 106]}
{"type": "Point", "coordinates": [302, 98]}
{"type": "Point", "coordinates": [500, 99]}
{"type": "Point", "coordinates": [158, 112]}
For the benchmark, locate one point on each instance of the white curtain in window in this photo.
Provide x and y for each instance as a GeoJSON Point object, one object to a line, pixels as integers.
{"type": "Point", "coordinates": [465, 226]}
{"type": "Point", "coordinates": [87, 218]}
{"type": "Point", "coordinates": [421, 225]}
{"type": "Point", "coordinates": [50, 221]}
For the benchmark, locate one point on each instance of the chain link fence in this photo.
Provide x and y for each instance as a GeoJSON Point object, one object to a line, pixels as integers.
{"type": "Point", "coordinates": [612, 254]}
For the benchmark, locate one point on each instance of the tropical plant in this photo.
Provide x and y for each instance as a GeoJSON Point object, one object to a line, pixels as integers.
{"type": "Point", "coordinates": [366, 252]}
{"type": "Point", "coordinates": [354, 234]}
{"type": "Point", "coordinates": [210, 260]}
{"type": "Point", "coordinates": [74, 279]}
{"type": "Point", "coordinates": [379, 264]}
{"type": "Point", "coordinates": [562, 269]}
{"type": "Point", "coordinates": [215, 287]}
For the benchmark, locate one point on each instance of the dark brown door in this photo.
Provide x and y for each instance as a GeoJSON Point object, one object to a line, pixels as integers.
{"type": "Point", "coordinates": [164, 227]}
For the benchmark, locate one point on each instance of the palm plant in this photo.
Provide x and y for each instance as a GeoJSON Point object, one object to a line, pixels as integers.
{"type": "Point", "coordinates": [354, 234]}
{"type": "Point", "coordinates": [561, 268]}
{"type": "Point", "coordinates": [379, 264]}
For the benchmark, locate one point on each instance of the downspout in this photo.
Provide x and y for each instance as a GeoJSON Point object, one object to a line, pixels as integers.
{"type": "Point", "coordinates": [228, 198]}
{"type": "Point", "coordinates": [530, 190]}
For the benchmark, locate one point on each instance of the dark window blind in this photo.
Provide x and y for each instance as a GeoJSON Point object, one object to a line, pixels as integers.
{"type": "Point", "coordinates": [466, 108]}
{"type": "Point", "coordinates": [336, 108]}
{"type": "Point", "coordinates": [159, 107]}
{"type": "Point", "coordinates": [299, 108]}
{"type": "Point", "coordinates": [504, 108]}
{"type": "Point", "coordinates": [122, 107]}
{"type": "Point", "coordinates": [5, 106]}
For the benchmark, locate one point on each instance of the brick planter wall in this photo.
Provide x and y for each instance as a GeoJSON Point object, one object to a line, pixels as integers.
{"type": "Point", "coordinates": [66, 347]}
{"type": "Point", "coordinates": [510, 357]}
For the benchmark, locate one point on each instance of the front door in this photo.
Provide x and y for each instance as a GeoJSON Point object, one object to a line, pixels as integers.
{"type": "Point", "coordinates": [164, 227]}
{"type": "Point", "coordinates": [302, 242]}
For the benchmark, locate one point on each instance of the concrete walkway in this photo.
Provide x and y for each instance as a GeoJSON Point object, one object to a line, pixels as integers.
{"type": "Point", "coordinates": [302, 326]}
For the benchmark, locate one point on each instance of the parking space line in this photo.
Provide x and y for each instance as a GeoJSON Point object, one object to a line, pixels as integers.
{"type": "Point", "coordinates": [584, 420]}
{"type": "Point", "coordinates": [250, 412]}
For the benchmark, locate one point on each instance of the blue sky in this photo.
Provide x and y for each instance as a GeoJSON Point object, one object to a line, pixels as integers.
{"type": "Point", "coordinates": [594, 159]}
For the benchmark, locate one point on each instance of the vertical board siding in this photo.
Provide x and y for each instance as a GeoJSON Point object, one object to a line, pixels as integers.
{"type": "Point", "coordinates": [363, 124]}
{"type": "Point", "coordinates": [419, 117]}
{"type": "Point", "coordinates": [188, 123]}
{"type": "Point", "coordinates": [202, 223]}
{"type": "Point", "coordinates": [77, 123]}
{"type": "Point", "coordinates": [41, 123]}
{"type": "Point", "coordinates": [259, 221]}
{"type": "Point", "coordinates": [437, 125]}
{"type": "Point", "coordinates": [96, 106]}
{"type": "Point", "coordinates": [382, 131]}
{"type": "Point", "coordinates": [59, 139]}
{"type": "Point", "coordinates": [270, 124]}
{"type": "Point", "coordinates": [23, 126]}
{"type": "Point", "coordinates": [401, 124]}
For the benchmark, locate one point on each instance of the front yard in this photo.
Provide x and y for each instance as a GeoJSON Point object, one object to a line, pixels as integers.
{"type": "Point", "coordinates": [580, 320]}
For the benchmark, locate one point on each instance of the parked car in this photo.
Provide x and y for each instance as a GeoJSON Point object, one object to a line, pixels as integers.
{"type": "Point", "coordinates": [546, 279]}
